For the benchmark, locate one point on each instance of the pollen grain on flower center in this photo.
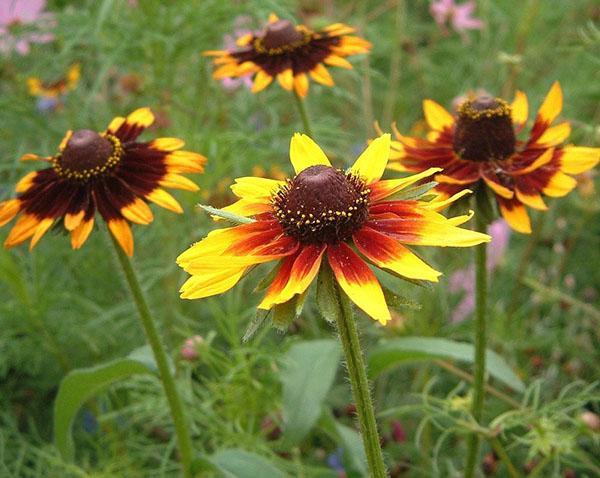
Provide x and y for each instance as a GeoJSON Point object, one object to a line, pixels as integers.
{"type": "Point", "coordinates": [484, 130]}
{"type": "Point", "coordinates": [87, 154]}
{"type": "Point", "coordinates": [322, 205]}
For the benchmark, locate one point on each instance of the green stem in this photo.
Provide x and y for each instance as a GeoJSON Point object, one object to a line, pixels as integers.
{"type": "Point", "coordinates": [179, 418]}
{"type": "Point", "coordinates": [504, 458]}
{"type": "Point", "coordinates": [480, 344]}
{"type": "Point", "coordinates": [360, 385]}
{"type": "Point", "coordinates": [302, 110]}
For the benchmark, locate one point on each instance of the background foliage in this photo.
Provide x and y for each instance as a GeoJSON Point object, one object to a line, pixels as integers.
{"type": "Point", "coordinates": [61, 310]}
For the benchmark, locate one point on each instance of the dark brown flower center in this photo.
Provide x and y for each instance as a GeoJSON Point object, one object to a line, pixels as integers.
{"type": "Point", "coordinates": [484, 130]}
{"type": "Point", "coordinates": [322, 205]}
{"type": "Point", "coordinates": [87, 154]}
{"type": "Point", "coordinates": [279, 37]}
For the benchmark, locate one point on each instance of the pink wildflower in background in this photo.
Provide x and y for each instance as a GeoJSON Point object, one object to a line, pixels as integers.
{"type": "Point", "coordinates": [23, 22]}
{"type": "Point", "coordinates": [464, 280]}
{"type": "Point", "coordinates": [230, 42]}
{"type": "Point", "coordinates": [458, 16]}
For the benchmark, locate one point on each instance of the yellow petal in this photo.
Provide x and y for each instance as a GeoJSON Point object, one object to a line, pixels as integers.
{"type": "Point", "coordinates": [166, 144]}
{"type": "Point", "coordinates": [301, 84]}
{"type": "Point", "coordinates": [261, 81]}
{"type": "Point", "coordinates": [555, 135]}
{"type": "Point", "coordinates": [519, 108]}
{"type": "Point", "coordinates": [436, 115]}
{"type": "Point", "coordinates": [552, 105]}
{"type": "Point", "coordinates": [41, 229]}
{"type": "Point", "coordinates": [249, 207]}
{"type": "Point", "coordinates": [138, 212]}
{"type": "Point", "coordinates": [578, 159]}
{"type": "Point", "coordinates": [336, 60]}
{"type": "Point", "coordinates": [273, 17]}
{"type": "Point", "coordinates": [122, 232]}
{"type": "Point", "coordinates": [25, 182]}
{"type": "Point", "coordinates": [141, 117]}
{"type": "Point", "coordinates": [534, 201]}
{"type": "Point", "coordinates": [516, 217]}
{"type": "Point", "coordinates": [371, 164]}
{"type": "Point", "coordinates": [252, 187]}
{"type": "Point", "coordinates": [206, 285]}
{"type": "Point", "coordinates": [164, 199]}
{"type": "Point", "coordinates": [80, 234]}
{"type": "Point", "coordinates": [304, 152]}
{"type": "Point", "coordinates": [8, 210]}
{"type": "Point", "coordinates": [540, 161]}
{"type": "Point", "coordinates": [560, 185]}
{"type": "Point", "coordinates": [33, 157]}
{"type": "Point", "coordinates": [382, 189]}
{"type": "Point", "coordinates": [499, 189]}
{"type": "Point", "coordinates": [185, 162]}
{"type": "Point", "coordinates": [286, 79]}
{"type": "Point", "coordinates": [72, 221]}
{"type": "Point", "coordinates": [442, 201]}
{"type": "Point", "coordinates": [23, 229]}
{"type": "Point", "coordinates": [115, 124]}
{"type": "Point", "coordinates": [177, 181]}
{"type": "Point", "coordinates": [65, 140]}
{"type": "Point", "coordinates": [320, 74]}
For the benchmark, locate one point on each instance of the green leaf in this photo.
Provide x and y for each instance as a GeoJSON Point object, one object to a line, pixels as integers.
{"type": "Point", "coordinates": [236, 463]}
{"type": "Point", "coordinates": [256, 323]}
{"type": "Point", "coordinates": [284, 314]}
{"type": "Point", "coordinates": [354, 450]}
{"type": "Point", "coordinates": [397, 351]}
{"type": "Point", "coordinates": [308, 372]}
{"type": "Point", "coordinates": [145, 356]}
{"type": "Point", "coordinates": [228, 216]}
{"type": "Point", "coordinates": [79, 386]}
{"type": "Point", "coordinates": [413, 192]}
{"type": "Point", "coordinates": [327, 298]}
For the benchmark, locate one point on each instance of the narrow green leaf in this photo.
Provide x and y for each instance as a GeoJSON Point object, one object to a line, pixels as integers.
{"type": "Point", "coordinates": [236, 463]}
{"type": "Point", "coordinates": [397, 351]}
{"type": "Point", "coordinates": [413, 192]}
{"type": "Point", "coordinates": [327, 300]}
{"type": "Point", "coordinates": [396, 301]}
{"type": "Point", "coordinates": [308, 371]}
{"type": "Point", "coordinates": [354, 450]}
{"type": "Point", "coordinates": [79, 386]}
{"type": "Point", "coordinates": [228, 216]}
{"type": "Point", "coordinates": [255, 324]}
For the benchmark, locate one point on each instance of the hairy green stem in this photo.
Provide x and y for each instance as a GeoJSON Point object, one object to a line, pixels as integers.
{"type": "Point", "coordinates": [302, 110]}
{"type": "Point", "coordinates": [504, 458]}
{"type": "Point", "coordinates": [179, 419]}
{"type": "Point", "coordinates": [360, 385]}
{"type": "Point", "coordinates": [480, 344]}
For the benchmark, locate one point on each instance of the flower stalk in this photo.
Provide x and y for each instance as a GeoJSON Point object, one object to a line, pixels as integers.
{"type": "Point", "coordinates": [174, 400]}
{"type": "Point", "coordinates": [480, 342]}
{"type": "Point", "coordinates": [303, 115]}
{"type": "Point", "coordinates": [360, 386]}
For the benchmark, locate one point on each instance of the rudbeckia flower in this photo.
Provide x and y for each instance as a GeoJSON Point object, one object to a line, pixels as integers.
{"type": "Point", "coordinates": [347, 218]}
{"type": "Point", "coordinates": [481, 143]}
{"type": "Point", "coordinates": [289, 53]}
{"type": "Point", "coordinates": [108, 172]}
{"type": "Point", "coordinates": [38, 87]}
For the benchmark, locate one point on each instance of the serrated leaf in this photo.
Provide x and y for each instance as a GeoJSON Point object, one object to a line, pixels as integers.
{"type": "Point", "coordinates": [236, 463]}
{"type": "Point", "coordinates": [256, 323]}
{"type": "Point", "coordinates": [396, 301]}
{"type": "Point", "coordinates": [284, 314]}
{"type": "Point", "coordinates": [228, 216]}
{"type": "Point", "coordinates": [405, 349]}
{"type": "Point", "coordinates": [308, 372]}
{"type": "Point", "coordinates": [78, 387]}
{"type": "Point", "coordinates": [327, 296]}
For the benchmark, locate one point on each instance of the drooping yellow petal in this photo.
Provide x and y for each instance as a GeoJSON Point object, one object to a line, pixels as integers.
{"type": "Point", "coordinates": [122, 232]}
{"type": "Point", "coordinates": [534, 201]}
{"type": "Point", "coordinates": [177, 181]}
{"type": "Point", "coordinates": [206, 285]}
{"type": "Point", "coordinates": [519, 109]}
{"type": "Point", "coordinates": [8, 210]}
{"type": "Point", "coordinates": [436, 115]}
{"type": "Point", "coordinates": [320, 74]}
{"type": "Point", "coordinates": [578, 159]}
{"type": "Point", "coordinates": [138, 212]}
{"type": "Point", "coordinates": [261, 81]}
{"type": "Point", "coordinates": [552, 105]}
{"type": "Point", "coordinates": [560, 185]}
{"type": "Point", "coordinates": [25, 182]}
{"type": "Point", "coordinates": [304, 152]}
{"type": "Point", "coordinates": [301, 84]}
{"type": "Point", "coordinates": [286, 79]}
{"type": "Point", "coordinates": [517, 217]}
{"type": "Point", "coordinates": [371, 164]}
{"type": "Point", "coordinates": [23, 229]}
{"type": "Point", "coordinates": [498, 188]}
{"type": "Point", "coordinates": [555, 135]}
{"type": "Point", "coordinates": [185, 162]}
{"type": "Point", "coordinates": [80, 234]}
{"type": "Point", "coordinates": [72, 221]}
{"type": "Point", "coordinates": [164, 199]}
{"type": "Point", "coordinates": [41, 229]}
{"type": "Point", "coordinates": [336, 60]}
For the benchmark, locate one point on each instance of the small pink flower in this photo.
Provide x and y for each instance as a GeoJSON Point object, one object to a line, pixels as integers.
{"type": "Point", "coordinates": [464, 279]}
{"type": "Point", "coordinates": [190, 350]}
{"type": "Point", "coordinates": [15, 15]}
{"type": "Point", "coordinates": [459, 16]}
